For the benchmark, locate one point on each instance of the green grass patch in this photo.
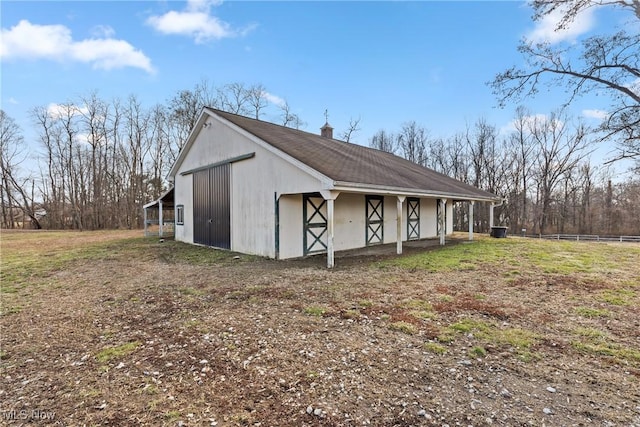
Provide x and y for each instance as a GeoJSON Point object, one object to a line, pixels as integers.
{"type": "Point", "coordinates": [515, 337]}
{"type": "Point", "coordinates": [469, 325]}
{"type": "Point", "coordinates": [592, 333]}
{"type": "Point", "coordinates": [434, 347]}
{"type": "Point", "coordinates": [519, 257]}
{"type": "Point", "coordinates": [404, 327]}
{"type": "Point", "coordinates": [519, 339]}
{"type": "Point", "coordinates": [365, 303]}
{"type": "Point", "coordinates": [467, 256]}
{"type": "Point", "coordinates": [351, 314]}
{"type": "Point", "coordinates": [111, 353]}
{"type": "Point", "coordinates": [477, 351]}
{"type": "Point", "coordinates": [191, 291]}
{"type": "Point", "coordinates": [420, 309]}
{"type": "Point", "coordinates": [605, 348]}
{"type": "Point", "coordinates": [617, 296]}
{"type": "Point", "coordinates": [592, 312]}
{"type": "Point", "coordinates": [315, 310]}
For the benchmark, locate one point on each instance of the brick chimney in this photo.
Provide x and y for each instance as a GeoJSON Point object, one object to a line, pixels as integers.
{"type": "Point", "coordinates": [326, 131]}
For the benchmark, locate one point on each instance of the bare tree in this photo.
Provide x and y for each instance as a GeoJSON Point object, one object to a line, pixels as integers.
{"type": "Point", "coordinates": [522, 151]}
{"type": "Point", "coordinates": [383, 141]}
{"type": "Point", "coordinates": [234, 98]}
{"type": "Point", "coordinates": [609, 64]}
{"type": "Point", "coordinates": [256, 97]}
{"type": "Point", "coordinates": [16, 193]}
{"type": "Point", "coordinates": [561, 149]}
{"type": "Point", "coordinates": [351, 129]}
{"type": "Point", "coordinates": [289, 118]}
{"type": "Point", "coordinates": [412, 142]}
{"type": "Point", "coordinates": [570, 9]}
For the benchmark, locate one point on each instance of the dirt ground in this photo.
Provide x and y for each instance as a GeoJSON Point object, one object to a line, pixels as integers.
{"type": "Point", "coordinates": [139, 335]}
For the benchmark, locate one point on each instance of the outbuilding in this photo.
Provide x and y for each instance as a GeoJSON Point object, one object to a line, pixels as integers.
{"type": "Point", "coordinates": [264, 189]}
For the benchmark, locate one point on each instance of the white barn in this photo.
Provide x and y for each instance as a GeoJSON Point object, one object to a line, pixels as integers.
{"type": "Point", "coordinates": [260, 188]}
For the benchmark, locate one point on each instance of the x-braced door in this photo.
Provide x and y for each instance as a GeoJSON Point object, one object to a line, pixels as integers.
{"type": "Point", "coordinates": [375, 220]}
{"type": "Point", "coordinates": [441, 217]}
{"type": "Point", "coordinates": [413, 218]}
{"type": "Point", "coordinates": [314, 211]}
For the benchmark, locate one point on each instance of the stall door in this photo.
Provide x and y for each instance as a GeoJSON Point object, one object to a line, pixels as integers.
{"type": "Point", "coordinates": [413, 218]}
{"type": "Point", "coordinates": [375, 220]}
{"type": "Point", "coordinates": [212, 207]}
{"type": "Point", "coordinates": [314, 211]}
{"type": "Point", "coordinates": [441, 218]}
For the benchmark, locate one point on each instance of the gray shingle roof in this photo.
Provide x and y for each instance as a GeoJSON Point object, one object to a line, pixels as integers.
{"type": "Point", "coordinates": [355, 165]}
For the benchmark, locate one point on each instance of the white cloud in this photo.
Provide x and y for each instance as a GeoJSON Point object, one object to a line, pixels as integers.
{"type": "Point", "coordinates": [595, 114]}
{"type": "Point", "coordinates": [202, 5]}
{"type": "Point", "coordinates": [546, 29]}
{"type": "Point", "coordinates": [197, 22]}
{"type": "Point", "coordinates": [13, 101]}
{"type": "Point", "coordinates": [54, 42]}
{"type": "Point", "coordinates": [57, 111]}
{"type": "Point", "coordinates": [104, 31]}
{"type": "Point", "coordinates": [528, 123]}
{"type": "Point", "coordinates": [274, 99]}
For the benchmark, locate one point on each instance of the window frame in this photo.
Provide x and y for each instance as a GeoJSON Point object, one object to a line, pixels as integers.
{"type": "Point", "coordinates": [179, 214]}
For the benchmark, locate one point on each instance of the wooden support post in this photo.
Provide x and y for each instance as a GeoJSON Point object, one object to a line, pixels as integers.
{"type": "Point", "coordinates": [330, 196]}
{"type": "Point", "coordinates": [160, 220]}
{"type": "Point", "coordinates": [330, 254]}
{"type": "Point", "coordinates": [399, 225]}
{"type": "Point", "coordinates": [493, 205]}
{"type": "Point", "coordinates": [146, 225]}
{"type": "Point", "coordinates": [471, 203]}
{"type": "Point", "coordinates": [443, 220]}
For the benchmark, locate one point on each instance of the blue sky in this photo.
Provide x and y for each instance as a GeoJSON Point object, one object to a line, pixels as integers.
{"type": "Point", "coordinates": [384, 62]}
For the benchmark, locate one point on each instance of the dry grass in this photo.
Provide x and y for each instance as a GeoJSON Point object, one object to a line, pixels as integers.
{"type": "Point", "coordinates": [109, 327]}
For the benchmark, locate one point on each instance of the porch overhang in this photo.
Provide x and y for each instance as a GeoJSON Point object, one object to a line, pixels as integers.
{"type": "Point", "coordinates": [154, 212]}
{"type": "Point", "coordinates": [331, 194]}
{"type": "Point", "coordinates": [351, 187]}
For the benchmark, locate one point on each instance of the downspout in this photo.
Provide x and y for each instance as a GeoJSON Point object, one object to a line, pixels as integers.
{"type": "Point", "coordinates": [493, 205]}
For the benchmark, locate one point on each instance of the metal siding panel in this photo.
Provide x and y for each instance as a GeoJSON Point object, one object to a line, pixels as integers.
{"type": "Point", "coordinates": [220, 206]}
{"type": "Point", "coordinates": [200, 207]}
{"type": "Point", "coordinates": [212, 207]}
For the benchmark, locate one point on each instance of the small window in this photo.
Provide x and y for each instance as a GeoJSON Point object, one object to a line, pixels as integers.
{"type": "Point", "coordinates": [180, 215]}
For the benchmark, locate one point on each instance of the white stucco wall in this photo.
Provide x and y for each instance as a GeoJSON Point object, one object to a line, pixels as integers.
{"type": "Point", "coordinates": [350, 220]}
{"type": "Point", "coordinates": [449, 225]}
{"type": "Point", "coordinates": [291, 226]}
{"type": "Point", "coordinates": [428, 218]}
{"type": "Point", "coordinates": [184, 233]}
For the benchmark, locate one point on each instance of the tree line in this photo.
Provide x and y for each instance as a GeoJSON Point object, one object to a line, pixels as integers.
{"type": "Point", "coordinates": [541, 167]}
{"type": "Point", "coordinates": [102, 160]}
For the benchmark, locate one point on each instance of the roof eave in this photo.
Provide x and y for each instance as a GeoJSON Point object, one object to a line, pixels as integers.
{"type": "Point", "coordinates": [401, 191]}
